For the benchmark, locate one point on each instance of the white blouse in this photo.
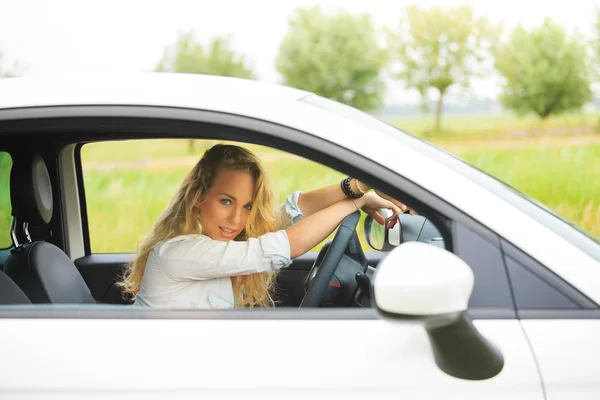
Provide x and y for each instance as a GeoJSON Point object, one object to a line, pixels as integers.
{"type": "Point", "coordinates": [193, 271]}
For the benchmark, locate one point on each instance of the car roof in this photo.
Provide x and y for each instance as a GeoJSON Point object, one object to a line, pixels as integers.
{"type": "Point", "coordinates": [145, 88]}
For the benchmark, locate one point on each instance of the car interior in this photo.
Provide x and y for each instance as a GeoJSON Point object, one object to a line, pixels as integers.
{"type": "Point", "coordinates": [41, 269]}
{"type": "Point", "coordinates": [36, 268]}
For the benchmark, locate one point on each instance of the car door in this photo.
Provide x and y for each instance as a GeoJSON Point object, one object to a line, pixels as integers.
{"type": "Point", "coordinates": [561, 324]}
{"type": "Point", "coordinates": [285, 355]}
{"type": "Point", "coordinates": [86, 351]}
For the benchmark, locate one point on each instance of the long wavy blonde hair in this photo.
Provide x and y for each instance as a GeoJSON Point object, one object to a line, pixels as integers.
{"type": "Point", "coordinates": [181, 217]}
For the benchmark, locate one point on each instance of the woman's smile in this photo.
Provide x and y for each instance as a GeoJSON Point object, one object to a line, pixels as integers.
{"type": "Point", "coordinates": [228, 233]}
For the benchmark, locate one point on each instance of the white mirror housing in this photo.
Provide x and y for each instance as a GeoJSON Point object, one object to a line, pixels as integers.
{"type": "Point", "coordinates": [418, 279]}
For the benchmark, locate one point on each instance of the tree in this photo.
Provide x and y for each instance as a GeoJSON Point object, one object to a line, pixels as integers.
{"type": "Point", "coordinates": [433, 49]}
{"type": "Point", "coordinates": [545, 72]}
{"type": "Point", "coordinates": [188, 55]}
{"type": "Point", "coordinates": [336, 56]}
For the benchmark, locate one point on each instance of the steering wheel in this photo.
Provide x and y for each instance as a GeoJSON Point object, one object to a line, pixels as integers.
{"type": "Point", "coordinates": [329, 258]}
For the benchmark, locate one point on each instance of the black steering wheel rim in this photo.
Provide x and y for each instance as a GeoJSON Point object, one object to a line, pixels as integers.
{"type": "Point", "coordinates": [330, 260]}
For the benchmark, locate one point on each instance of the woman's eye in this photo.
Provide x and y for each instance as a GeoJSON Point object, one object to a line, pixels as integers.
{"type": "Point", "coordinates": [248, 207]}
{"type": "Point", "coordinates": [226, 201]}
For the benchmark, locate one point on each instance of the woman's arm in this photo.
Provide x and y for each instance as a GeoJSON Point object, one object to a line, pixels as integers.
{"type": "Point", "coordinates": [197, 257]}
{"type": "Point", "coordinates": [310, 231]}
{"type": "Point", "coordinates": [318, 199]}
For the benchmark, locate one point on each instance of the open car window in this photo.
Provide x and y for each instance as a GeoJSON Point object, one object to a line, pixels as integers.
{"type": "Point", "coordinates": [129, 183]}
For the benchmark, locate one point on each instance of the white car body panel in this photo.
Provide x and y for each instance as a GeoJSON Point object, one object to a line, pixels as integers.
{"type": "Point", "coordinates": [322, 359]}
{"type": "Point", "coordinates": [567, 353]}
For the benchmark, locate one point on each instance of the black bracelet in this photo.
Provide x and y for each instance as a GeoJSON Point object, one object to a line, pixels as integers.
{"type": "Point", "coordinates": [347, 189]}
{"type": "Point", "coordinates": [343, 186]}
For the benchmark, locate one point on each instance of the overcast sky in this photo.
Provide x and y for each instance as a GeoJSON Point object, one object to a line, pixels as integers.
{"type": "Point", "coordinates": [71, 37]}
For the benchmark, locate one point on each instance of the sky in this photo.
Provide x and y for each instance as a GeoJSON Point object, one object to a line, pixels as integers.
{"type": "Point", "coordinates": [64, 37]}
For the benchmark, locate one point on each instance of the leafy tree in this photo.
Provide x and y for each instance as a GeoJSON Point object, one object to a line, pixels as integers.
{"type": "Point", "coordinates": [188, 55]}
{"type": "Point", "coordinates": [434, 49]}
{"type": "Point", "coordinates": [336, 56]}
{"type": "Point", "coordinates": [545, 72]}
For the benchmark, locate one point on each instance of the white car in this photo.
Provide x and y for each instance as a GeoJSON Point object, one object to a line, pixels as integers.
{"type": "Point", "coordinates": [483, 294]}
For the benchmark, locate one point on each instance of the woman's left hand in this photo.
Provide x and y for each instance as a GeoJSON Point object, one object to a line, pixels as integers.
{"type": "Point", "coordinates": [374, 203]}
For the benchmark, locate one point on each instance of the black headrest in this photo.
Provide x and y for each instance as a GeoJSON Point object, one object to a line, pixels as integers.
{"type": "Point", "coordinates": [30, 190]}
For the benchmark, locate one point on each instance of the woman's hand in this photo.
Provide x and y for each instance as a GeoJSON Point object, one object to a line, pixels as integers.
{"type": "Point", "coordinates": [355, 184]}
{"type": "Point", "coordinates": [400, 205]}
{"type": "Point", "coordinates": [372, 202]}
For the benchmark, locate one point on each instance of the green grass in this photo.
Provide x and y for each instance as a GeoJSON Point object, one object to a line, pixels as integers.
{"type": "Point", "coordinates": [124, 203]}
{"type": "Point", "coordinates": [489, 126]}
{"type": "Point", "coordinates": [563, 179]}
{"type": "Point", "coordinates": [567, 179]}
{"type": "Point", "coordinates": [132, 151]}
{"type": "Point", "coordinates": [5, 206]}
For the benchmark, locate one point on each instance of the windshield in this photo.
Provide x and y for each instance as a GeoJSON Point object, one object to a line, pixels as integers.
{"type": "Point", "coordinates": [537, 210]}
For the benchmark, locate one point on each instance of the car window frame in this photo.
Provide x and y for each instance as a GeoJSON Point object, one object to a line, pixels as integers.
{"type": "Point", "coordinates": [131, 122]}
{"type": "Point", "coordinates": [505, 309]}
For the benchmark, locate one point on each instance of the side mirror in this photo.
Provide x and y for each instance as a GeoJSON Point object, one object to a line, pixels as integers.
{"type": "Point", "coordinates": [378, 236]}
{"type": "Point", "coordinates": [424, 283]}
{"type": "Point", "coordinates": [409, 228]}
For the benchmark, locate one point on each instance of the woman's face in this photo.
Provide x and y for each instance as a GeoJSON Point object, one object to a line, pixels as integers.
{"type": "Point", "coordinates": [225, 211]}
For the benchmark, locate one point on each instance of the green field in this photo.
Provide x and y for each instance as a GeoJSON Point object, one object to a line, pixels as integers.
{"type": "Point", "coordinates": [141, 193]}
{"type": "Point", "coordinates": [129, 183]}
{"type": "Point", "coordinates": [499, 126]}
{"type": "Point", "coordinates": [565, 179]}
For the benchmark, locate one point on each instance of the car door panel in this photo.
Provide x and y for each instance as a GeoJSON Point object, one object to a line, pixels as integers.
{"type": "Point", "coordinates": [567, 353]}
{"type": "Point", "coordinates": [100, 272]}
{"type": "Point", "coordinates": [371, 358]}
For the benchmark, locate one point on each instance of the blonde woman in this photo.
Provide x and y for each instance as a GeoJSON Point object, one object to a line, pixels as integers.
{"type": "Point", "coordinates": [222, 238]}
